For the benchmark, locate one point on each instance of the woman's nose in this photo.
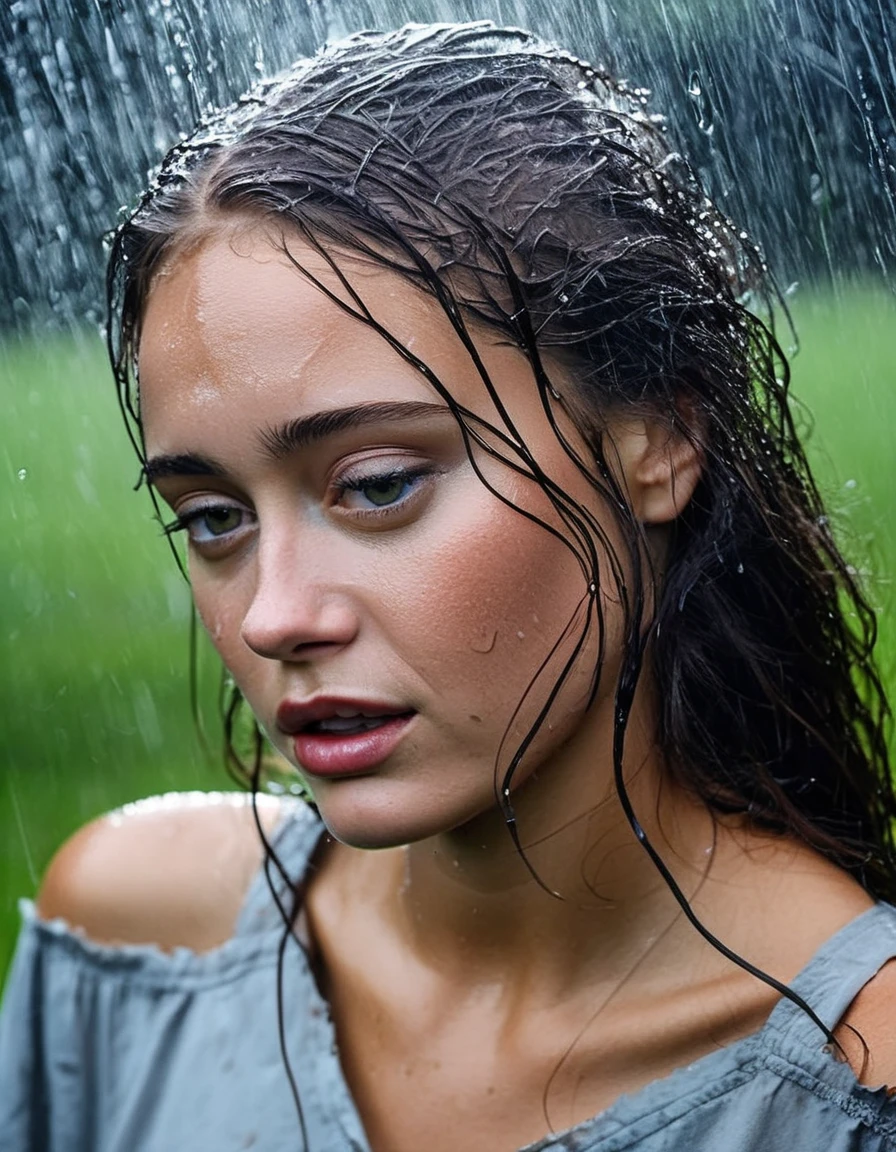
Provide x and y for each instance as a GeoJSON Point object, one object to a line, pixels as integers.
{"type": "Point", "coordinates": [297, 611]}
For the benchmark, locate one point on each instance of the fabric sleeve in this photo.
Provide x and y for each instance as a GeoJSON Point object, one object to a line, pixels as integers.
{"type": "Point", "coordinates": [130, 1049]}
{"type": "Point", "coordinates": [24, 1096]}
{"type": "Point", "coordinates": [59, 1048]}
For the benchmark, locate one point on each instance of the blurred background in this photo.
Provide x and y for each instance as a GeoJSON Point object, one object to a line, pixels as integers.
{"type": "Point", "coordinates": [786, 108]}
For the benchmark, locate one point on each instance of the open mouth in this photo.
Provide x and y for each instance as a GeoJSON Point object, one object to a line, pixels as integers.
{"type": "Point", "coordinates": [349, 742]}
{"type": "Point", "coordinates": [350, 725]}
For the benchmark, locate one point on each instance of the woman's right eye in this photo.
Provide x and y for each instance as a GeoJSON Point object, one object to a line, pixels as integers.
{"type": "Point", "coordinates": [211, 524]}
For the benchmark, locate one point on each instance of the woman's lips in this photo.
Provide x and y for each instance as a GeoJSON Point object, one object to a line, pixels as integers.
{"type": "Point", "coordinates": [345, 753]}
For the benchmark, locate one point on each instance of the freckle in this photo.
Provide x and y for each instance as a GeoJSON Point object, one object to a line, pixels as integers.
{"type": "Point", "coordinates": [485, 643]}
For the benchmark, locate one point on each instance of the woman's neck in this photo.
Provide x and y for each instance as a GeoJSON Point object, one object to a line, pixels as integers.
{"type": "Point", "coordinates": [579, 902]}
{"type": "Point", "coordinates": [577, 899]}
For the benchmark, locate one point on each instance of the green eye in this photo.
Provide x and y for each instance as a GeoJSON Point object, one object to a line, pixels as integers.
{"type": "Point", "coordinates": [385, 491]}
{"type": "Point", "coordinates": [213, 527]}
{"type": "Point", "coordinates": [219, 521]}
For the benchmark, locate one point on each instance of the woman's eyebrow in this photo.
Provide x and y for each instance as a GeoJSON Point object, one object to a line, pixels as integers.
{"type": "Point", "coordinates": [182, 464]}
{"type": "Point", "coordinates": [286, 438]}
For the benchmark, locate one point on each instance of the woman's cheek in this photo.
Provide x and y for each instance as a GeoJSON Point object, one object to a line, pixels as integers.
{"type": "Point", "coordinates": [495, 603]}
{"type": "Point", "coordinates": [221, 617]}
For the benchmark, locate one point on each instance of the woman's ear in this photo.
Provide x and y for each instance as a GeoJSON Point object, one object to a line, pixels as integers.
{"type": "Point", "coordinates": [657, 465]}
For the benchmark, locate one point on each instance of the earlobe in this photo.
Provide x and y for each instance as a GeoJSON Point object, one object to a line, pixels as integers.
{"type": "Point", "coordinates": [658, 465]}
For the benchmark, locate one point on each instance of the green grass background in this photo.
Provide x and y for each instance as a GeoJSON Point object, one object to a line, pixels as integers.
{"type": "Point", "coordinates": [94, 616]}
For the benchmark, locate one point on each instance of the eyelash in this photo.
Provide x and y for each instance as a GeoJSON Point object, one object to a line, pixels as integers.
{"type": "Point", "coordinates": [358, 483]}
{"type": "Point", "coordinates": [182, 522]}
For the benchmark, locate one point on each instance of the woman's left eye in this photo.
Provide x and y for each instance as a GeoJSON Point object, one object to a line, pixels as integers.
{"type": "Point", "coordinates": [379, 492]}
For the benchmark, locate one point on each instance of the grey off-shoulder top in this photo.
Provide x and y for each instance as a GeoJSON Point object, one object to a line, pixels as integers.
{"type": "Point", "coordinates": [128, 1049]}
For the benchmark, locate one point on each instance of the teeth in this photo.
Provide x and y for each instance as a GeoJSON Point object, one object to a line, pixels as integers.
{"type": "Point", "coordinates": [350, 722]}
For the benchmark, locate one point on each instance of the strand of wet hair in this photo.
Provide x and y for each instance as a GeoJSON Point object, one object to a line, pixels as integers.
{"type": "Point", "coordinates": [590, 1021]}
{"type": "Point", "coordinates": [288, 918]}
{"type": "Point", "coordinates": [571, 513]}
{"type": "Point", "coordinates": [623, 703]}
{"type": "Point", "coordinates": [624, 699]}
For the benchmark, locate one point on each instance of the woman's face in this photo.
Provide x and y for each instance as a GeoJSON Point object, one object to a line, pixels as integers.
{"type": "Point", "coordinates": [383, 612]}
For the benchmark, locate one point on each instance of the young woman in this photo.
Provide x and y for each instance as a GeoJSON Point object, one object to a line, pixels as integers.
{"type": "Point", "coordinates": [495, 513]}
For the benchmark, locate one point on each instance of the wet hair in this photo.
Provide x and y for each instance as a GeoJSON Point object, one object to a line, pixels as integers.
{"type": "Point", "coordinates": [532, 193]}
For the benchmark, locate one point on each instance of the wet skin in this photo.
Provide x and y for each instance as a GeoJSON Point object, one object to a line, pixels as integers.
{"type": "Point", "coordinates": [367, 563]}
{"type": "Point", "coordinates": [370, 563]}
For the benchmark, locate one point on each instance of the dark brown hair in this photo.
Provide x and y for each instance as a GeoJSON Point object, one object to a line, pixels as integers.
{"type": "Point", "coordinates": [531, 192]}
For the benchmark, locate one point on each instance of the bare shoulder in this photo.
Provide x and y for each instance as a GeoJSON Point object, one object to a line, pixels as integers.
{"type": "Point", "coordinates": [868, 1030]}
{"type": "Point", "coordinates": [170, 870]}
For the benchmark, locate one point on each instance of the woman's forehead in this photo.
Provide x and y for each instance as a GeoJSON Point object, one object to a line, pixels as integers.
{"type": "Point", "coordinates": [246, 314]}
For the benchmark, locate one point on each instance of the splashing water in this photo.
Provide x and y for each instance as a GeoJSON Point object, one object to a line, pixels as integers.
{"type": "Point", "coordinates": [786, 107]}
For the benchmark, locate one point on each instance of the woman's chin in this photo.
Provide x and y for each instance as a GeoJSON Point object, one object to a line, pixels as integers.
{"type": "Point", "coordinates": [378, 821]}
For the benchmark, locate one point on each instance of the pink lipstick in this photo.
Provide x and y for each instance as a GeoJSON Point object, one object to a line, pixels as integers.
{"type": "Point", "coordinates": [342, 737]}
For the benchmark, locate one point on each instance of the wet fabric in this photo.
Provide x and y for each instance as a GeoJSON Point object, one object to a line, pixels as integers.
{"type": "Point", "coordinates": [129, 1049]}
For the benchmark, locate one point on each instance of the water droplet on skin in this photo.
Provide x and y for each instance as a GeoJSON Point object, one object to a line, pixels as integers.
{"type": "Point", "coordinates": [485, 643]}
{"type": "Point", "coordinates": [521, 635]}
